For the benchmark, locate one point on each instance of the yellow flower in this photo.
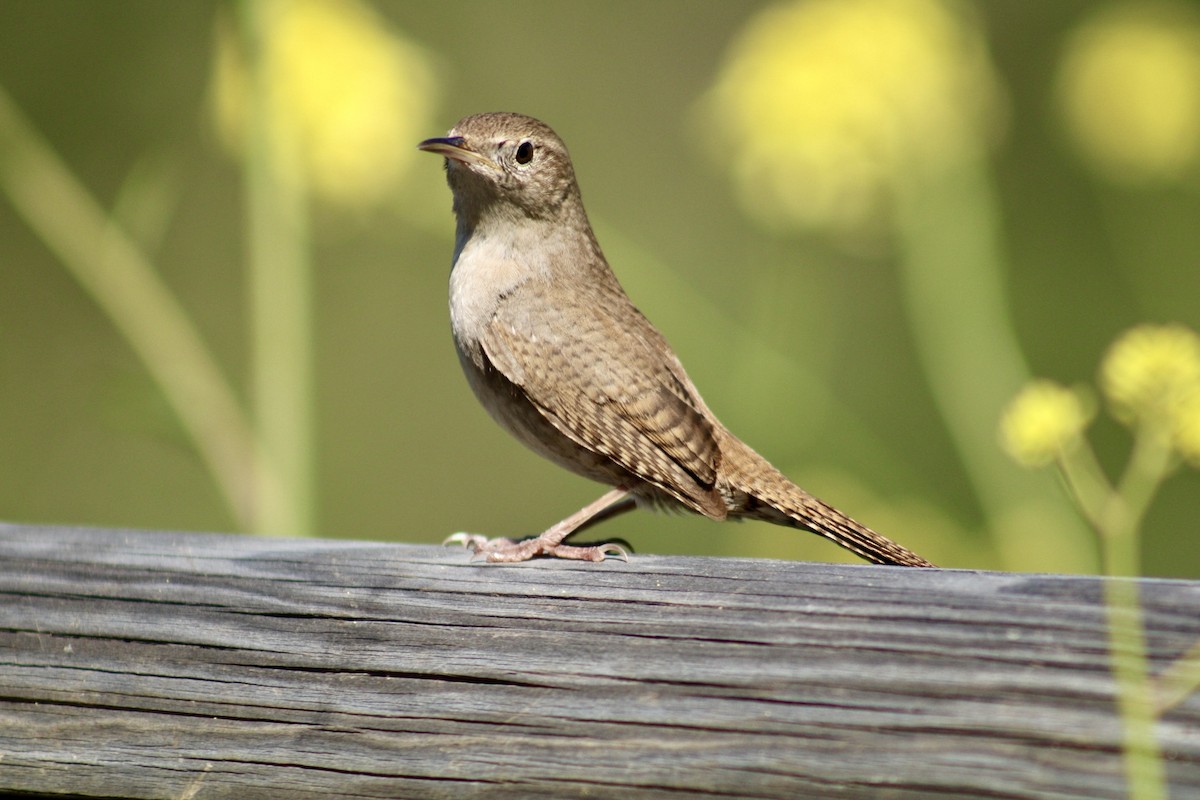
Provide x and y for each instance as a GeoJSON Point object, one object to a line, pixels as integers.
{"type": "Point", "coordinates": [1129, 87]}
{"type": "Point", "coordinates": [350, 96]}
{"type": "Point", "coordinates": [1185, 433]}
{"type": "Point", "coordinates": [1151, 372]}
{"type": "Point", "coordinates": [821, 104]}
{"type": "Point", "coordinates": [1041, 422]}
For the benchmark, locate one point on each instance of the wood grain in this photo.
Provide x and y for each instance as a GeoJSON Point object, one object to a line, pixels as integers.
{"type": "Point", "coordinates": [172, 665]}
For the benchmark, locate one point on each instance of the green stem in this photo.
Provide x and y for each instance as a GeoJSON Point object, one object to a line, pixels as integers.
{"type": "Point", "coordinates": [120, 279]}
{"type": "Point", "coordinates": [953, 278]}
{"type": "Point", "coordinates": [1135, 692]}
{"type": "Point", "coordinates": [1087, 483]}
{"type": "Point", "coordinates": [1179, 680]}
{"type": "Point", "coordinates": [1117, 516]}
{"type": "Point", "coordinates": [1148, 467]}
{"type": "Point", "coordinates": [281, 294]}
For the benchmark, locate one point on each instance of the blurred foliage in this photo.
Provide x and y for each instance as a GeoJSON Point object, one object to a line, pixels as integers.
{"type": "Point", "coordinates": [807, 339]}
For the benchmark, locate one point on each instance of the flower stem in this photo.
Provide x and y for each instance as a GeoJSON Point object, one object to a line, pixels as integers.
{"type": "Point", "coordinates": [952, 272]}
{"type": "Point", "coordinates": [115, 272]}
{"type": "Point", "coordinates": [1116, 515]}
{"type": "Point", "coordinates": [1179, 680]}
{"type": "Point", "coordinates": [281, 295]}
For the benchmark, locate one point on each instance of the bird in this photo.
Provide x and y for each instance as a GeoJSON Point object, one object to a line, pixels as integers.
{"type": "Point", "coordinates": [559, 356]}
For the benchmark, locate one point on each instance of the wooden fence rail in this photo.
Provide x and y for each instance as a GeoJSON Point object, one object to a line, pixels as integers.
{"type": "Point", "coordinates": [171, 665]}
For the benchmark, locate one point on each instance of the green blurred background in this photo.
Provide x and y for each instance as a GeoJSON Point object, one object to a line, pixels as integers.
{"type": "Point", "coordinates": [799, 336]}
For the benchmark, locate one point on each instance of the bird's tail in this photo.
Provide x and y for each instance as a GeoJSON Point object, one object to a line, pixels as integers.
{"type": "Point", "coordinates": [759, 491]}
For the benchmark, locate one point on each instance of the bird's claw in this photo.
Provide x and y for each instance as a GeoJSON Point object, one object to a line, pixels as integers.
{"type": "Point", "coordinates": [507, 550]}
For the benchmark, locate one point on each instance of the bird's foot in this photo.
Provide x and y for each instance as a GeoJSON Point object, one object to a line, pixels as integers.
{"type": "Point", "coordinates": [508, 551]}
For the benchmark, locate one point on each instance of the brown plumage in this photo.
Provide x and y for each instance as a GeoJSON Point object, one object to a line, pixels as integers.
{"type": "Point", "coordinates": [559, 356]}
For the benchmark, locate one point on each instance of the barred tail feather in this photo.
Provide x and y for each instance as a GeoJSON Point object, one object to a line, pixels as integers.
{"type": "Point", "coordinates": [756, 490]}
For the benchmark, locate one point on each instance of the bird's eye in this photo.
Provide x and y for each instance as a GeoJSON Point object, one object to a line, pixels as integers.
{"type": "Point", "coordinates": [524, 152]}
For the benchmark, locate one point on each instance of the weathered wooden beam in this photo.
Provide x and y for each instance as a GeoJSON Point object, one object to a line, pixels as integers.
{"type": "Point", "coordinates": [171, 665]}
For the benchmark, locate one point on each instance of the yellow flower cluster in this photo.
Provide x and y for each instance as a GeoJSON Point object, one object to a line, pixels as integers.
{"type": "Point", "coordinates": [1151, 379]}
{"type": "Point", "coordinates": [821, 105]}
{"type": "Point", "coordinates": [1151, 376]}
{"type": "Point", "coordinates": [1042, 421]}
{"type": "Point", "coordinates": [350, 95]}
{"type": "Point", "coordinates": [1129, 87]}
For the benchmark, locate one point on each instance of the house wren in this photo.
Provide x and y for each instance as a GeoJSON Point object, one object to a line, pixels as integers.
{"type": "Point", "coordinates": [560, 357]}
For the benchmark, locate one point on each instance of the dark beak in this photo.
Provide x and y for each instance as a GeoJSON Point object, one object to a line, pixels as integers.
{"type": "Point", "coordinates": [455, 147]}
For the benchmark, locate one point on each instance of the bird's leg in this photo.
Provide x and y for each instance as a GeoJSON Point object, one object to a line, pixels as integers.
{"type": "Point", "coordinates": [613, 502]}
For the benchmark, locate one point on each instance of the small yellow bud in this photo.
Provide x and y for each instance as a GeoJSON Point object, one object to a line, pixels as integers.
{"type": "Point", "coordinates": [1041, 422]}
{"type": "Point", "coordinates": [1150, 372]}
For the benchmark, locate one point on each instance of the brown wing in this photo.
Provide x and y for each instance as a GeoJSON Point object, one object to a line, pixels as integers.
{"type": "Point", "coordinates": [614, 389]}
